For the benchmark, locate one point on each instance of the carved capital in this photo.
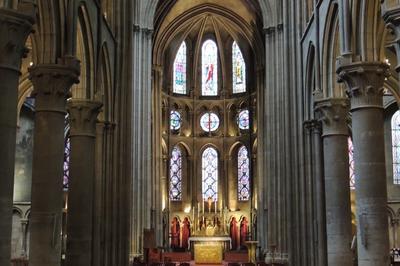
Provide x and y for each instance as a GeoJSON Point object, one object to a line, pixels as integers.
{"type": "Point", "coordinates": [333, 115]}
{"type": "Point", "coordinates": [82, 117]}
{"type": "Point", "coordinates": [364, 81]}
{"type": "Point", "coordinates": [314, 126]}
{"type": "Point", "coordinates": [15, 28]}
{"type": "Point", "coordinates": [52, 83]}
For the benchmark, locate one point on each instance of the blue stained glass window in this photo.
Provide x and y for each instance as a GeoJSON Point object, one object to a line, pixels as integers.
{"type": "Point", "coordinates": [243, 119]}
{"type": "Point", "coordinates": [238, 70]}
{"type": "Point", "coordinates": [209, 61]}
{"type": "Point", "coordinates": [67, 156]}
{"type": "Point", "coordinates": [180, 70]}
{"type": "Point", "coordinates": [351, 164]}
{"type": "Point", "coordinates": [175, 175]}
{"type": "Point", "coordinates": [396, 147]}
{"type": "Point", "coordinates": [243, 174]}
{"type": "Point", "coordinates": [175, 120]}
{"type": "Point", "coordinates": [210, 174]}
{"type": "Point", "coordinates": [209, 122]}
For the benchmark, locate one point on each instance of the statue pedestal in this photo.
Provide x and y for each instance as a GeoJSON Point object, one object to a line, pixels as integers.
{"type": "Point", "coordinates": [251, 249]}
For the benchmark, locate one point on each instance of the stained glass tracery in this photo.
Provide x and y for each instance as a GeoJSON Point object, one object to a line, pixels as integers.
{"type": "Point", "coordinates": [209, 122]}
{"type": "Point", "coordinates": [243, 119]}
{"type": "Point", "coordinates": [209, 59]}
{"type": "Point", "coordinates": [238, 70]}
{"type": "Point", "coordinates": [243, 174]}
{"type": "Point", "coordinates": [175, 182]}
{"type": "Point", "coordinates": [179, 85]}
{"type": "Point", "coordinates": [396, 147]}
{"type": "Point", "coordinates": [351, 164]}
{"type": "Point", "coordinates": [175, 120]}
{"type": "Point", "coordinates": [210, 174]}
{"type": "Point", "coordinates": [67, 156]}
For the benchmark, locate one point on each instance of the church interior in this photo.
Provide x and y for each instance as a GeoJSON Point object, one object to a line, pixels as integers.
{"type": "Point", "coordinates": [199, 132]}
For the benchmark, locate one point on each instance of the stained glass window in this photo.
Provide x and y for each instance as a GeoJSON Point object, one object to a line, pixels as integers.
{"type": "Point", "coordinates": [351, 164]}
{"type": "Point", "coordinates": [180, 70]}
{"type": "Point", "coordinates": [238, 70]}
{"type": "Point", "coordinates": [243, 119]}
{"type": "Point", "coordinates": [396, 147]}
{"type": "Point", "coordinates": [243, 174]}
{"type": "Point", "coordinates": [209, 53]}
{"type": "Point", "coordinates": [67, 156]}
{"type": "Point", "coordinates": [209, 122]}
{"type": "Point", "coordinates": [175, 172]}
{"type": "Point", "coordinates": [210, 174]}
{"type": "Point", "coordinates": [175, 120]}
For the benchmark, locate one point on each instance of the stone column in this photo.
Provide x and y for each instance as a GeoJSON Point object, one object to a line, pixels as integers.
{"type": "Point", "coordinates": [315, 128]}
{"type": "Point", "coordinates": [99, 186]}
{"type": "Point", "coordinates": [335, 133]}
{"type": "Point", "coordinates": [82, 119]}
{"type": "Point", "coordinates": [52, 83]}
{"type": "Point", "coordinates": [24, 226]}
{"type": "Point", "coordinates": [364, 82]}
{"type": "Point", "coordinates": [14, 29]}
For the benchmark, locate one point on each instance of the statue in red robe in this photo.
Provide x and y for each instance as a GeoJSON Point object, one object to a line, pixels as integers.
{"type": "Point", "coordinates": [185, 233]}
{"type": "Point", "coordinates": [244, 227]}
{"type": "Point", "coordinates": [234, 234]}
{"type": "Point", "coordinates": [175, 233]}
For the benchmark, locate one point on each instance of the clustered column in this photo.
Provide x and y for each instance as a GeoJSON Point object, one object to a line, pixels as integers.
{"type": "Point", "coordinates": [334, 113]}
{"type": "Point", "coordinates": [82, 118]}
{"type": "Point", "coordinates": [315, 128]}
{"type": "Point", "coordinates": [364, 82]}
{"type": "Point", "coordinates": [52, 83]}
{"type": "Point", "coordinates": [15, 27]}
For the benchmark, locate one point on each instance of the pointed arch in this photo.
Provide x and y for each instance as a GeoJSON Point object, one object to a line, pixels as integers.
{"type": "Point", "coordinates": [209, 62]}
{"type": "Point", "coordinates": [238, 70]}
{"type": "Point", "coordinates": [209, 163]}
{"type": "Point", "coordinates": [180, 70]}
{"type": "Point", "coordinates": [243, 177]}
{"type": "Point", "coordinates": [175, 174]}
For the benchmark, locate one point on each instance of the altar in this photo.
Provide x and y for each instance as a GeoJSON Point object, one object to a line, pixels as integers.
{"type": "Point", "coordinates": [225, 241]}
{"type": "Point", "coordinates": [209, 249]}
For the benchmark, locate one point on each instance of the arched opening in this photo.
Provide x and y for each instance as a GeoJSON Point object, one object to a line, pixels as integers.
{"type": "Point", "coordinates": [207, 70]}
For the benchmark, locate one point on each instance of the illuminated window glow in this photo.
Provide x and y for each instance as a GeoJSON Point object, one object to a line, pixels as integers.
{"type": "Point", "coordinates": [210, 174]}
{"type": "Point", "coordinates": [238, 70]}
{"type": "Point", "coordinates": [209, 61]}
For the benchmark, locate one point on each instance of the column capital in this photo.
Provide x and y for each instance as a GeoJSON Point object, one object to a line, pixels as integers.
{"type": "Point", "coordinates": [15, 28]}
{"type": "Point", "coordinates": [313, 125]}
{"type": "Point", "coordinates": [334, 113]}
{"type": "Point", "coordinates": [82, 116]}
{"type": "Point", "coordinates": [364, 82]}
{"type": "Point", "coordinates": [52, 84]}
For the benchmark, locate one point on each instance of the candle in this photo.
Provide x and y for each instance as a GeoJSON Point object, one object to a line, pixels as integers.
{"type": "Point", "coordinates": [203, 205]}
{"type": "Point", "coordinates": [215, 207]}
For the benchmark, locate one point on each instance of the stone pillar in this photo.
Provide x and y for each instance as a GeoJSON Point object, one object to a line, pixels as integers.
{"type": "Point", "coordinates": [315, 128]}
{"type": "Point", "coordinates": [52, 83]}
{"type": "Point", "coordinates": [364, 82]}
{"type": "Point", "coordinates": [14, 29]}
{"type": "Point", "coordinates": [99, 186]}
{"type": "Point", "coordinates": [335, 133]}
{"type": "Point", "coordinates": [82, 119]}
